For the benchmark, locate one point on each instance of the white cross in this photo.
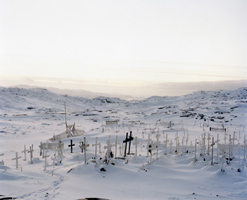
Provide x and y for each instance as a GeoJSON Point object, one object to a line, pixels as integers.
{"type": "Point", "coordinates": [116, 143]}
{"type": "Point", "coordinates": [31, 153]}
{"type": "Point", "coordinates": [136, 143]}
{"type": "Point", "coordinates": [195, 159]}
{"type": "Point", "coordinates": [25, 150]}
{"type": "Point", "coordinates": [212, 156]}
{"type": "Point", "coordinates": [96, 144]}
{"type": "Point", "coordinates": [209, 138]}
{"type": "Point", "coordinates": [187, 140]}
{"type": "Point", "coordinates": [230, 141]}
{"type": "Point", "coordinates": [176, 138]}
{"type": "Point", "coordinates": [148, 140]}
{"type": "Point", "coordinates": [2, 162]}
{"type": "Point", "coordinates": [45, 156]}
{"type": "Point", "coordinates": [84, 146]}
{"type": "Point", "coordinates": [157, 145]}
{"type": "Point", "coordinates": [166, 141]}
{"type": "Point", "coordinates": [16, 159]}
{"type": "Point", "coordinates": [108, 149]}
{"type": "Point", "coordinates": [171, 146]}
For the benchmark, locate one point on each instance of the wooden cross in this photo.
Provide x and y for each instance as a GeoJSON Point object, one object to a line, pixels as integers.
{"type": "Point", "coordinates": [209, 138]}
{"type": "Point", "coordinates": [31, 153]}
{"type": "Point", "coordinates": [84, 147]}
{"type": "Point", "coordinates": [171, 143]}
{"type": "Point", "coordinates": [2, 162]}
{"type": "Point", "coordinates": [148, 140]}
{"type": "Point", "coordinates": [176, 138]}
{"type": "Point", "coordinates": [96, 144]}
{"type": "Point", "coordinates": [195, 159]}
{"type": "Point", "coordinates": [230, 141]}
{"type": "Point", "coordinates": [25, 150]}
{"type": "Point", "coordinates": [212, 156]}
{"type": "Point", "coordinates": [116, 143]}
{"type": "Point", "coordinates": [71, 146]}
{"type": "Point", "coordinates": [156, 145]}
{"type": "Point", "coordinates": [45, 156]}
{"type": "Point", "coordinates": [16, 159]}
{"type": "Point", "coordinates": [187, 140]}
{"type": "Point", "coordinates": [125, 141]}
{"type": "Point", "coordinates": [108, 154]}
{"type": "Point", "coordinates": [166, 142]}
{"type": "Point", "coordinates": [130, 139]}
{"type": "Point", "coordinates": [136, 143]}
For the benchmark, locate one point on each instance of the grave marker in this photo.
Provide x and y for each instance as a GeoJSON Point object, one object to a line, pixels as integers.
{"type": "Point", "coordinates": [209, 138]}
{"type": "Point", "coordinates": [130, 139]}
{"type": "Point", "coordinates": [136, 143]}
{"type": "Point", "coordinates": [16, 159]}
{"type": "Point", "coordinates": [84, 147]}
{"type": "Point", "coordinates": [96, 144]}
{"type": "Point", "coordinates": [2, 162]}
{"type": "Point", "coordinates": [71, 146]}
{"type": "Point", "coordinates": [31, 153]}
{"type": "Point", "coordinates": [195, 159]}
{"type": "Point", "coordinates": [148, 140]}
{"type": "Point", "coordinates": [45, 156]}
{"type": "Point", "coordinates": [25, 150]}
{"type": "Point", "coordinates": [176, 138]}
{"type": "Point", "coordinates": [108, 154]}
{"type": "Point", "coordinates": [166, 142]}
{"type": "Point", "coordinates": [116, 143]}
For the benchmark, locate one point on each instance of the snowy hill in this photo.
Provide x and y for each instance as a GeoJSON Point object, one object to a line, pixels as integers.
{"type": "Point", "coordinates": [174, 170]}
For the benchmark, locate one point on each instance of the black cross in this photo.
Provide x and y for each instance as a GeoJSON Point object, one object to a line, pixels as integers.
{"type": "Point", "coordinates": [71, 145]}
{"type": "Point", "coordinates": [127, 139]}
{"type": "Point", "coordinates": [130, 139]}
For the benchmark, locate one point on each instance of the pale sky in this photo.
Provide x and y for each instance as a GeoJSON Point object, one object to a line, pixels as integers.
{"type": "Point", "coordinates": [122, 46]}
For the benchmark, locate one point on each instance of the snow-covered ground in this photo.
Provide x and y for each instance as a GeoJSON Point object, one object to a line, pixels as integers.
{"type": "Point", "coordinates": [31, 116]}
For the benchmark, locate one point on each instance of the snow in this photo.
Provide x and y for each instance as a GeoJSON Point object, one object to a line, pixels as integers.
{"type": "Point", "coordinates": [31, 116]}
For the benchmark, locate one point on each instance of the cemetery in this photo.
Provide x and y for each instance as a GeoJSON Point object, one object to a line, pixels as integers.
{"type": "Point", "coordinates": [157, 148]}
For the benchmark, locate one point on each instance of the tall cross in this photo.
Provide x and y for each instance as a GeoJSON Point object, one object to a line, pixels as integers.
{"type": "Point", "coordinates": [45, 156]}
{"type": "Point", "coordinates": [31, 153]}
{"type": "Point", "coordinates": [84, 147]}
{"type": "Point", "coordinates": [148, 140]}
{"type": "Point", "coordinates": [136, 143]}
{"type": "Point", "coordinates": [166, 141]}
{"type": "Point", "coordinates": [108, 150]}
{"type": "Point", "coordinates": [212, 156]}
{"type": "Point", "coordinates": [176, 138]}
{"type": "Point", "coordinates": [195, 159]}
{"type": "Point", "coordinates": [230, 141]}
{"type": "Point", "coordinates": [187, 140]}
{"type": "Point", "coordinates": [96, 144]}
{"type": "Point", "coordinates": [171, 143]}
{"type": "Point", "coordinates": [125, 141]}
{"type": "Point", "coordinates": [2, 162]}
{"type": "Point", "coordinates": [71, 146]}
{"type": "Point", "coordinates": [16, 159]}
{"type": "Point", "coordinates": [209, 138]}
{"type": "Point", "coordinates": [25, 151]}
{"type": "Point", "coordinates": [116, 143]}
{"type": "Point", "coordinates": [157, 145]}
{"type": "Point", "coordinates": [130, 139]}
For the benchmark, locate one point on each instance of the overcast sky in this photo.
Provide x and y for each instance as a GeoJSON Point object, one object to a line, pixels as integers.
{"type": "Point", "coordinates": [123, 46]}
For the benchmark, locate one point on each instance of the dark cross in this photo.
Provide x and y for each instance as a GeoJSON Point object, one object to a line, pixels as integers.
{"type": "Point", "coordinates": [125, 141]}
{"type": "Point", "coordinates": [129, 140]}
{"type": "Point", "coordinates": [71, 145]}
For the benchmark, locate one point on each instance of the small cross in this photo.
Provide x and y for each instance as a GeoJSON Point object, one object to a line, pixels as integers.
{"type": "Point", "coordinates": [166, 142]}
{"type": "Point", "coordinates": [16, 159]}
{"type": "Point", "coordinates": [71, 146]}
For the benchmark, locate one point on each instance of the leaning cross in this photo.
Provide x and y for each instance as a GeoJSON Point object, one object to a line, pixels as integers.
{"type": "Point", "coordinates": [71, 145]}
{"type": "Point", "coordinates": [25, 150]}
{"type": "Point", "coordinates": [16, 159]}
